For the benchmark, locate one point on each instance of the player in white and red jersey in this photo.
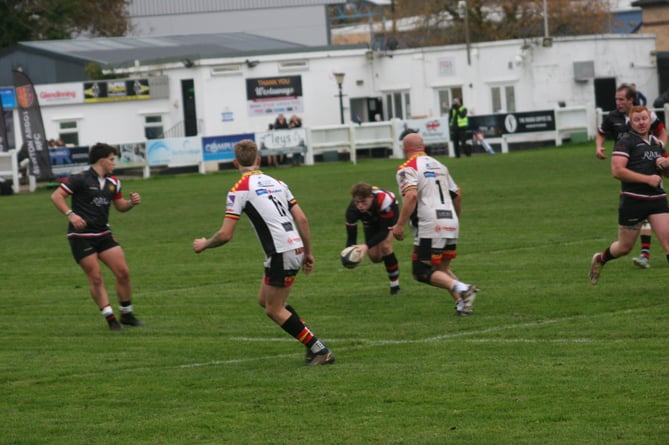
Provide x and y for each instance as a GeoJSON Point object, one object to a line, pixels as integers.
{"type": "Point", "coordinates": [283, 231]}
{"type": "Point", "coordinates": [431, 203]}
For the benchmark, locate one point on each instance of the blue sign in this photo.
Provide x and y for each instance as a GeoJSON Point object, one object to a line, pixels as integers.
{"type": "Point", "coordinates": [222, 148]}
{"type": "Point", "coordinates": [8, 98]}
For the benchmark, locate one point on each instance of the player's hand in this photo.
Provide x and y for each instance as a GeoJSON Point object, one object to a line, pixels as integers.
{"type": "Point", "coordinates": [654, 181]}
{"type": "Point", "coordinates": [135, 199]}
{"type": "Point", "coordinates": [77, 221]}
{"type": "Point", "coordinates": [308, 263]}
{"type": "Point", "coordinates": [398, 232]}
{"type": "Point", "coordinates": [363, 250]}
{"type": "Point", "coordinates": [600, 153]}
{"type": "Point", "coordinates": [199, 244]}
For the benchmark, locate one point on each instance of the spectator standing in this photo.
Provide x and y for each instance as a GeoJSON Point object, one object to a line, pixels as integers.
{"type": "Point", "coordinates": [296, 122]}
{"type": "Point", "coordinates": [458, 123]}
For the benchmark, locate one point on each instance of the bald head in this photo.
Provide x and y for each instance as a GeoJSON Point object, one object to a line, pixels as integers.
{"type": "Point", "coordinates": [412, 144]}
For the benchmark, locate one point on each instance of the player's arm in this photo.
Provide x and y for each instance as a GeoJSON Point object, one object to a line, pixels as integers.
{"type": "Point", "coordinates": [351, 225]}
{"type": "Point", "coordinates": [305, 233]}
{"type": "Point", "coordinates": [457, 202]}
{"type": "Point", "coordinates": [622, 173]}
{"type": "Point", "coordinates": [662, 164]}
{"type": "Point", "coordinates": [409, 202]}
{"type": "Point", "coordinates": [123, 205]}
{"type": "Point", "coordinates": [59, 199]}
{"type": "Point", "coordinates": [222, 236]}
{"type": "Point", "coordinates": [600, 150]}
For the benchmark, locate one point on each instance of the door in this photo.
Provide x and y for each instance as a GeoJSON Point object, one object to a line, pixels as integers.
{"type": "Point", "coordinates": [605, 93]}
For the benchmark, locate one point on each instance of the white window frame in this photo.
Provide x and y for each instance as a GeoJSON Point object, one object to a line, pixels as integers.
{"type": "Point", "coordinates": [397, 104]}
{"type": "Point", "coordinates": [503, 98]}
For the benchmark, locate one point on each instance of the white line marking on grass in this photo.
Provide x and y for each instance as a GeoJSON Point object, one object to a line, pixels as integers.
{"type": "Point", "coordinates": [361, 342]}
{"type": "Point", "coordinates": [366, 342]}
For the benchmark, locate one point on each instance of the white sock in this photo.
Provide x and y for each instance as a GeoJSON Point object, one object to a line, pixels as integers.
{"type": "Point", "coordinates": [460, 287]}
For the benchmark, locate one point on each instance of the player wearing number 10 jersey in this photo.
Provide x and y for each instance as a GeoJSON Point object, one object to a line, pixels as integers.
{"type": "Point", "coordinates": [431, 204]}
{"type": "Point", "coordinates": [283, 231]}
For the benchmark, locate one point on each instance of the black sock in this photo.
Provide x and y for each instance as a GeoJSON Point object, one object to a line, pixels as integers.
{"type": "Point", "coordinates": [299, 331]}
{"type": "Point", "coordinates": [392, 267]}
{"type": "Point", "coordinates": [607, 255]}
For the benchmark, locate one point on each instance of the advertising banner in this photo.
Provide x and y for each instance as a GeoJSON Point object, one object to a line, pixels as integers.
{"type": "Point", "coordinates": [282, 141]}
{"type": "Point", "coordinates": [132, 155]}
{"type": "Point", "coordinates": [495, 125]}
{"type": "Point", "coordinates": [67, 161]}
{"type": "Point", "coordinates": [60, 94]}
{"type": "Point", "coordinates": [175, 152]}
{"type": "Point", "coordinates": [274, 95]}
{"type": "Point", "coordinates": [222, 148]}
{"type": "Point", "coordinates": [7, 98]}
{"type": "Point", "coordinates": [115, 90]}
{"type": "Point", "coordinates": [434, 131]}
{"type": "Point", "coordinates": [32, 127]}
{"type": "Point", "coordinates": [4, 143]}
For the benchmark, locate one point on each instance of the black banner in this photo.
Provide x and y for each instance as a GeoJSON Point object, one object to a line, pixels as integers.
{"type": "Point", "coordinates": [273, 88]}
{"type": "Point", "coordinates": [32, 127]}
{"type": "Point", "coordinates": [114, 90]}
{"type": "Point", "coordinates": [3, 131]}
{"type": "Point", "coordinates": [495, 125]}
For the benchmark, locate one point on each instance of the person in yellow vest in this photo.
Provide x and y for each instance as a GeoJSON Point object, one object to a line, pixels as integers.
{"type": "Point", "coordinates": [458, 123]}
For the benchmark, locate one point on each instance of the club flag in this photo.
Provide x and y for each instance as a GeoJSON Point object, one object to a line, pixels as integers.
{"type": "Point", "coordinates": [4, 143]}
{"type": "Point", "coordinates": [32, 127]}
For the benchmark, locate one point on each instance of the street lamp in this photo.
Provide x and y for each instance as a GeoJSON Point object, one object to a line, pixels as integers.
{"type": "Point", "coordinates": [463, 9]}
{"type": "Point", "coordinates": [339, 77]}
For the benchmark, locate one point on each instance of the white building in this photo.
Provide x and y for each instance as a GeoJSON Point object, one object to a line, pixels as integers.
{"type": "Point", "coordinates": [218, 96]}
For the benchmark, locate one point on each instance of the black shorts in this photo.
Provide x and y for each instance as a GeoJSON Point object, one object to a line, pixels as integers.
{"type": "Point", "coordinates": [633, 211]}
{"type": "Point", "coordinates": [282, 268]}
{"type": "Point", "coordinates": [434, 251]}
{"type": "Point", "coordinates": [84, 246]}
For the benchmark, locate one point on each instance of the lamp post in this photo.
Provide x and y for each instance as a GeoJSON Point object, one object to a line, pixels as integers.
{"type": "Point", "coordinates": [464, 9]}
{"type": "Point", "coordinates": [339, 77]}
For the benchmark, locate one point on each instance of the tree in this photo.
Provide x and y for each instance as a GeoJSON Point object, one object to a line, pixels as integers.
{"type": "Point", "coordinates": [443, 22]}
{"type": "Point", "coordinates": [28, 20]}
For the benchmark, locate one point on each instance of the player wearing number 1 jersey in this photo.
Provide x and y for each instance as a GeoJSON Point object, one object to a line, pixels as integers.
{"type": "Point", "coordinates": [431, 204]}
{"type": "Point", "coordinates": [283, 231]}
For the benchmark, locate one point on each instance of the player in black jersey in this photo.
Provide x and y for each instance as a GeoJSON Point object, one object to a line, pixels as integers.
{"type": "Point", "coordinates": [378, 210]}
{"type": "Point", "coordinates": [92, 193]}
{"type": "Point", "coordinates": [615, 124]}
{"type": "Point", "coordinates": [639, 161]}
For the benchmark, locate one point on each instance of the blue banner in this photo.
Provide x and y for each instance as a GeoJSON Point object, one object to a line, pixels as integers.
{"type": "Point", "coordinates": [8, 98]}
{"type": "Point", "coordinates": [222, 148]}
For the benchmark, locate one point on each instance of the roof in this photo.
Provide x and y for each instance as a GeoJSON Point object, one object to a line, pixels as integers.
{"type": "Point", "coordinates": [138, 8]}
{"type": "Point", "coordinates": [124, 51]}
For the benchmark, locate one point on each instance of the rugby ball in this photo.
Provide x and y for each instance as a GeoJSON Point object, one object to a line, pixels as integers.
{"type": "Point", "coordinates": [351, 257]}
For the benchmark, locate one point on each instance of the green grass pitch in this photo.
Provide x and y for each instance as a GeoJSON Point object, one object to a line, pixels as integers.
{"type": "Point", "coordinates": [546, 359]}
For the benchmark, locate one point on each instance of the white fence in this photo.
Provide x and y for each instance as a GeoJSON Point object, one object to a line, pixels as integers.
{"type": "Point", "coordinates": [9, 168]}
{"type": "Point", "coordinates": [206, 153]}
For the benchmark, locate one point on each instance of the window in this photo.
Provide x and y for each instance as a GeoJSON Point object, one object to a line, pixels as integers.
{"type": "Point", "coordinates": [69, 133]}
{"type": "Point", "coordinates": [398, 104]}
{"type": "Point", "coordinates": [153, 127]}
{"type": "Point", "coordinates": [445, 97]}
{"type": "Point", "coordinates": [503, 99]}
